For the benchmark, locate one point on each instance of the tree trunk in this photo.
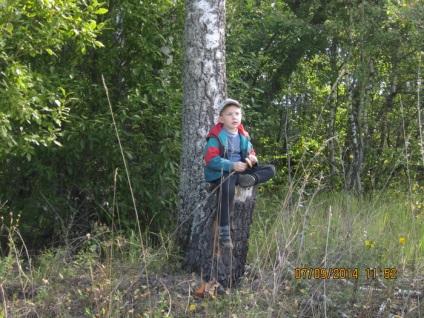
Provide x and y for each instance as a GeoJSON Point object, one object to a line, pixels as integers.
{"type": "Point", "coordinates": [205, 256]}
{"type": "Point", "coordinates": [204, 87]}
{"type": "Point", "coordinates": [355, 108]}
{"type": "Point", "coordinates": [333, 112]}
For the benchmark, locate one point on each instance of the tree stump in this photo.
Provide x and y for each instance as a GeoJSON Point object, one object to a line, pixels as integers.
{"type": "Point", "coordinates": [205, 256]}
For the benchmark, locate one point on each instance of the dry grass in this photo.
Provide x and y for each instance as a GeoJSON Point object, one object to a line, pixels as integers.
{"type": "Point", "coordinates": [111, 277]}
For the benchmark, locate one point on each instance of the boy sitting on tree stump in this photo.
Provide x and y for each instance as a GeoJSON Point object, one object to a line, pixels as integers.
{"type": "Point", "coordinates": [230, 161]}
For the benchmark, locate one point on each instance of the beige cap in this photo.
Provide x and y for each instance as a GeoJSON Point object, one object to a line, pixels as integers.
{"type": "Point", "coordinates": [227, 102]}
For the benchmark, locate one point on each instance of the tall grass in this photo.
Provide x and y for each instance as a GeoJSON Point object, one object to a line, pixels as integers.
{"type": "Point", "coordinates": [344, 226]}
{"type": "Point", "coordinates": [107, 277]}
{"type": "Point", "coordinates": [348, 237]}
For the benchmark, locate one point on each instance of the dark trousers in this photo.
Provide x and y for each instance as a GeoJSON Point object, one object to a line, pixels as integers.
{"type": "Point", "coordinates": [228, 183]}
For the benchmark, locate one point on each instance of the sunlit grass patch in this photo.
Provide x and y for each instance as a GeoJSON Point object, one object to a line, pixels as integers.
{"type": "Point", "coordinates": [336, 245]}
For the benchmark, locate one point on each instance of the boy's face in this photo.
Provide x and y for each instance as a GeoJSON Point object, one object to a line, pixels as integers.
{"type": "Point", "coordinates": [230, 117]}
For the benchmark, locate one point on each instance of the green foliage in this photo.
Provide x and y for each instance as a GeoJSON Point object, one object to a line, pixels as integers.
{"type": "Point", "coordinates": [303, 70]}
{"type": "Point", "coordinates": [61, 159]}
{"type": "Point", "coordinates": [34, 35]}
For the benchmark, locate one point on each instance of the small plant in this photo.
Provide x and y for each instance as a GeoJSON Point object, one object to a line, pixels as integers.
{"type": "Point", "coordinates": [15, 273]}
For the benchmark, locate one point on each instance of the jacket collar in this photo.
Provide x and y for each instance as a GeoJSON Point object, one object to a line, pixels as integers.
{"type": "Point", "coordinates": [216, 130]}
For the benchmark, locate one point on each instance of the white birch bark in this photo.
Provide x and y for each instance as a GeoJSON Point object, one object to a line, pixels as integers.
{"type": "Point", "coordinates": [204, 87]}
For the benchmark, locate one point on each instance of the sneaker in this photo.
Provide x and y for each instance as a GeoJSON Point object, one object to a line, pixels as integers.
{"type": "Point", "coordinates": [224, 239]}
{"type": "Point", "coordinates": [246, 180]}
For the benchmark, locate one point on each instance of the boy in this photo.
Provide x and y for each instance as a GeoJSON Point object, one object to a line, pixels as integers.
{"type": "Point", "coordinates": [231, 160]}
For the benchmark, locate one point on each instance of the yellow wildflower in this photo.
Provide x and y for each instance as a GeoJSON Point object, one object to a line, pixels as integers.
{"type": "Point", "coordinates": [370, 244]}
{"type": "Point", "coordinates": [402, 240]}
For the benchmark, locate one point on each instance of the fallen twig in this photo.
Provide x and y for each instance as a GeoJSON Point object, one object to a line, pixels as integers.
{"type": "Point", "coordinates": [383, 307]}
{"type": "Point", "coordinates": [407, 292]}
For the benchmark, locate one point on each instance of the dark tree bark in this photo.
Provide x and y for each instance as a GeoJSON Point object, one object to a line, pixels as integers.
{"type": "Point", "coordinates": [355, 101]}
{"type": "Point", "coordinates": [205, 255]}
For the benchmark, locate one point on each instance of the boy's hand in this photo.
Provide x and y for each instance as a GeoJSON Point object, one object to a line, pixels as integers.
{"type": "Point", "coordinates": [253, 159]}
{"type": "Point", "coordinates": [239, 166]}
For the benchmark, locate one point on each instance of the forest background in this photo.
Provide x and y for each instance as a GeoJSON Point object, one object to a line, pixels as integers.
{"type": "Point", "coordinates": [331, 96]}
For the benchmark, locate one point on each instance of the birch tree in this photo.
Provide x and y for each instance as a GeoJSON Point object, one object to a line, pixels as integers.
{"type": "Point", "coordinates": [204, 86]}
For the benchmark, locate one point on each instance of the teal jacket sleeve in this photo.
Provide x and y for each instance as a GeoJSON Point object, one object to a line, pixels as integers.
{"type": "Point", "coordinates": [212, 155]}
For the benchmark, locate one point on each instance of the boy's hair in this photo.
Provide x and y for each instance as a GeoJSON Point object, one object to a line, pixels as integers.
{"type": "Point", "coordinates": [227, 102]}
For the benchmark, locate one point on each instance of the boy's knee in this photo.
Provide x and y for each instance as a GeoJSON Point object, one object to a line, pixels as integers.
{"type": "Point", "coordinates": [264, 173]}
{"type": "Point", "coordinates": [272, 168]}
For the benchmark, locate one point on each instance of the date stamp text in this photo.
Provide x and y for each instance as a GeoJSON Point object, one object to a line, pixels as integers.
{"type": "Point", "coordinates": [343, 273]}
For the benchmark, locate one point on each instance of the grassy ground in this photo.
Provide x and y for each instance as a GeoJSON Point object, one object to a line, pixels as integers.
{"type": "Point", "coordinates": [313, 255]}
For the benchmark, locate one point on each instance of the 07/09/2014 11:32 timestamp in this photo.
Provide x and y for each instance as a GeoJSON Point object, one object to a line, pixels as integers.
{"type": "Point", "coordinates": [344, 273]}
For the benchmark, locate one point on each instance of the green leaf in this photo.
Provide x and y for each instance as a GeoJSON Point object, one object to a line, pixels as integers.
{"type": "Point", "coordinates": [93, 24]}
{"type": "Point", "coordinates": [9, 27]}
{"type": "Point", "coordinates": [4, 131]}
{"type": "Point", "coordinates": [101, 11]}
{"type": "Point", "coordinates": [98, 43]}
{"type": "Point", "coordinates": [129, 155]}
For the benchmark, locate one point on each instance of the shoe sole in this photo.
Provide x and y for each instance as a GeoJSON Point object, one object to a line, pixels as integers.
{"type": "Point", "coordinates": [246, 181]}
